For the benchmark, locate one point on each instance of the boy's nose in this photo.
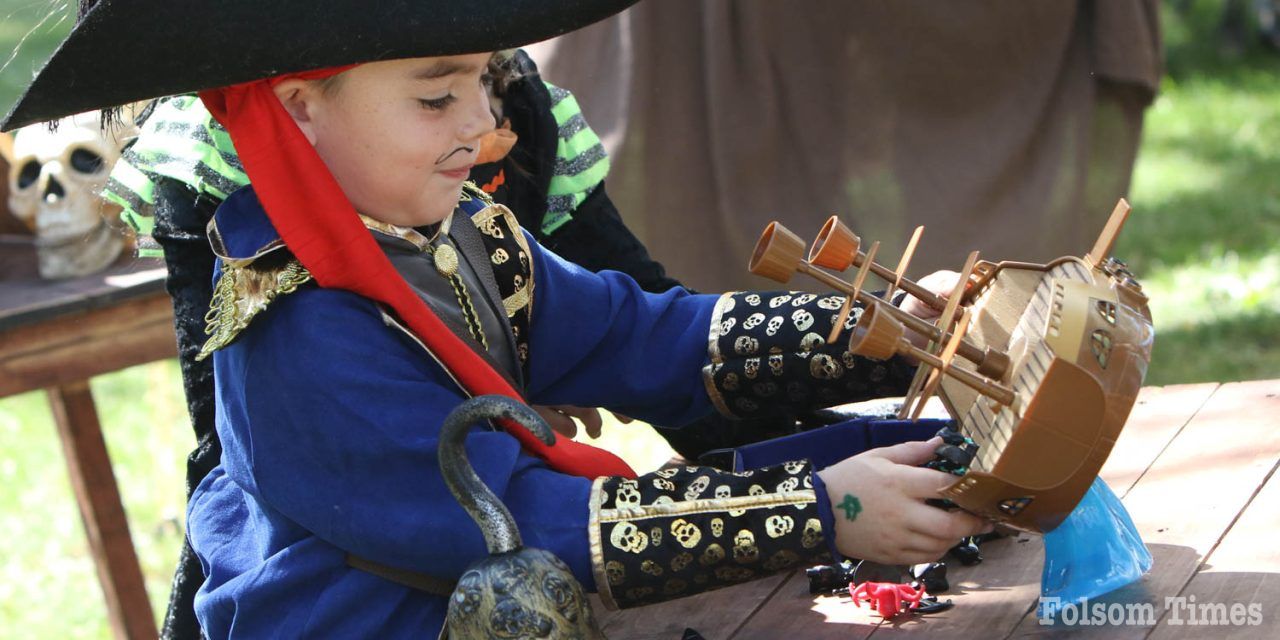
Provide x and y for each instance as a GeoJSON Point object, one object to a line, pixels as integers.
{"type": "Point", "coordinates": [479, 122]}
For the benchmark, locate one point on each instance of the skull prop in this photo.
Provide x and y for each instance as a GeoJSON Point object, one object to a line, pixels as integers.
{"type": "Point", "coordinates": [54, 185]}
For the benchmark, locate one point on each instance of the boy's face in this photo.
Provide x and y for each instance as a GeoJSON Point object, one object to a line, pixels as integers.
{"type": "Point", "coordinates": [399, 136]}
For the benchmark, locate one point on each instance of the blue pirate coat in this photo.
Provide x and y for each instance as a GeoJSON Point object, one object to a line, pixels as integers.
{"type": "Point", "coordinates": [328, 412]}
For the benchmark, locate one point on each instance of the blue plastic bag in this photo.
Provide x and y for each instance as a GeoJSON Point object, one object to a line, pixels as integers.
{"type": "Point", "coordinates": [1095, 551]}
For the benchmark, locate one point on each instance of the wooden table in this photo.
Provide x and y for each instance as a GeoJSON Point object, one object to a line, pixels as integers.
{"type": "Point", "coordinates": [1195, 468]}
{"type": "Point", "coordinates": [55, 336]}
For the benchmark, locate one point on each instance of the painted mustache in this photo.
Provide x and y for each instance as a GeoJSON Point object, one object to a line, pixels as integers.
{"type": "Point", "coordinates": [446, 156]}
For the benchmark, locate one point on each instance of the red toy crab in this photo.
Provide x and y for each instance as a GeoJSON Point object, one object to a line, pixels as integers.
{"type": "Point", "coordinates": [886, 598]}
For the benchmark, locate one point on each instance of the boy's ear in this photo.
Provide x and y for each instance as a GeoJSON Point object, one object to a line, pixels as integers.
{"type": "Point", "coordinates": [297, 96]}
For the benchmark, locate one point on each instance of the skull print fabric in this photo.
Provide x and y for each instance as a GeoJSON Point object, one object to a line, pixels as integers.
{"type": "Point", "coordinates": [685, 530]}
{"type": "Point", "coordinates": [769, 357]}
{"type": "Point", "coordinates": [512, 265]}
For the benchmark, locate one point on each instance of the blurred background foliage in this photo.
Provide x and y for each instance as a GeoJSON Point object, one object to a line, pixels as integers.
{"type": "Point", "coordinates": [1204, 239]}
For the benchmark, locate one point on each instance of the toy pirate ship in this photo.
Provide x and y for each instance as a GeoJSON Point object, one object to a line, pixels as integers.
{"type": "Point", "coordinates": [1039, 364]}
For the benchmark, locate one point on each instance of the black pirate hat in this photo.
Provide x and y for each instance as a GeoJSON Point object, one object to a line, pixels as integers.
{"type": "Point", "coordinates": [122, 51]}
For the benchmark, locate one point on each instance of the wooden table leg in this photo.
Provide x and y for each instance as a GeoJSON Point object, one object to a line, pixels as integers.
{"type": "Point", "coordinates": [101, 511]}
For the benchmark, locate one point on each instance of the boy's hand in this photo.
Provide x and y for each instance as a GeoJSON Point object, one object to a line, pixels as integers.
{"type": "Point", "coordinates": [939, 282]}
{"type": "Point", "coordinates": [560, 418]}
{"type": "Point", "coordinates": [878, 501]}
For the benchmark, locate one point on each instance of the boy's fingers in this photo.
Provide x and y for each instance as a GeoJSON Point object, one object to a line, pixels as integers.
{"type": "Point", "coordinates": [918, 549]}
{"type": "Point", "coordinates": [591, 420]}
{"type": "Point", "coordinates": [909, 453]}
{"type": "Point", "coordinates": [947, 527]}
{"type": "Point", "coordinates": [919, 482]}
{"type": "Point", "coordinates": [559, 422]}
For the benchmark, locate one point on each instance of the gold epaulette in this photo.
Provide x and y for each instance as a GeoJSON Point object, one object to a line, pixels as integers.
{"type": "Point", "coordinates": [470, 190]}
{"type": "Point", "coordinates": [242, 293]}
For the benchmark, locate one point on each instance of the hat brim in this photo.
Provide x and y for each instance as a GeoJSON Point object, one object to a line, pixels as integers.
{"type": "Point", "coordinates": [123, 51]}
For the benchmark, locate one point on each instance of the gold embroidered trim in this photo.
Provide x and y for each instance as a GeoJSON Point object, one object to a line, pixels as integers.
{"type": "Point", "coordinates": [705, 505]}
{"type": "Point", "coordinates": [518, 300]}
{"type": "Point", "coordinates": [524, 297]}
{"type": "Point", "coordinates": [717, 318]}
{"type": "Point", "coordinates": [486, 214]}
{"type": "Point", "coordinates": [713, 352]}
{"type": "Point", "coordinates": [713, 392]}
{"type": "Point", "coordinates": [408, 234]}
{"type": "Point", "coordinates": [470, 190]}
{"type": "Point", "coordinates": [603, 588]}
{"type": "Point", "coordinates": [241, 294]}
{"type": "Point", "coordinates": [446, 259]}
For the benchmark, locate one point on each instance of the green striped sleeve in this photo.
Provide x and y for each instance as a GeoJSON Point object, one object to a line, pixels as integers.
{"type": "Point", "coordinates": [133, 191]}
{"type": "Point", "coordinates": [581, 162]}
{"type": "Point", "coordinates": [179, 141]}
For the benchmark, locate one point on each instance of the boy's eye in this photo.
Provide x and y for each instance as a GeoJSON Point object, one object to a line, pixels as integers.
{"type": "Point", "coordinates": [436, 104]}
{"type": "Point", "coordinates": [486, 80]}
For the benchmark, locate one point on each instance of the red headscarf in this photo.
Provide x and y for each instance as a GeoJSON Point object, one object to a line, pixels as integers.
{"type": "Point", "coordinates": [319, 225]}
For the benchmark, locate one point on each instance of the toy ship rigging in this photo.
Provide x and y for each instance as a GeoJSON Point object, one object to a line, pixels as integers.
{"type": "Point", "coordinates": [1039, 364]}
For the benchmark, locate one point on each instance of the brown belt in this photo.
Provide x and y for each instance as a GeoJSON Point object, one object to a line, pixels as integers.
{"type": "Point", "coordinates": [404, 577]}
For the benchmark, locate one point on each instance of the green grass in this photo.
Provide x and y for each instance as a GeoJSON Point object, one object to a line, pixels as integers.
{"type": "Point", "coordinates": [1205, 234]}
{"type": "Point", "coordinates": [48, 588]}
{"type": "Point", "coordinates": [1204, 239]}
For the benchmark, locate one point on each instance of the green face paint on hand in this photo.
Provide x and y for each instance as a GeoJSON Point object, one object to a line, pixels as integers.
{"type": "Point", "coordinates": [851, 507]}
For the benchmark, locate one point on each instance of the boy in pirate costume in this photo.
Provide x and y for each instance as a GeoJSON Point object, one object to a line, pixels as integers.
{"type": "Point", "coordinates": [341, 339]}
{"type": "Point", "coordinates": [182, 165]}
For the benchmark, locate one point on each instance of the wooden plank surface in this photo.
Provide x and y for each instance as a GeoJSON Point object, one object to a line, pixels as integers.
{"type": "Point", "coordinates": [80, 345]}
{"type": "Point", "coordinates": [993, 598]}
{"type": "Point", "coordinates": [990, 597]}
{"type": "Point", "coordinates": [1241, 576]}
{"type": "Point", "coordinates": [714, 614]}
{"type": "Point", "coordinates": [18, 260]}
{"type": "Point", "coordinates": [793, 613]}
{"type": "Point", "coordinates": [32, 300]}
{"type": "Point", "coordinates": [1191, 495]}
{"type": "Point", "coordinates": [1157, 416]}
{"type": "Point", "coordinates": [101, 511]}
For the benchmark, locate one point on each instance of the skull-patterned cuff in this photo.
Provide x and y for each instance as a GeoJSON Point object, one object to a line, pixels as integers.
{"type": "Point", "coordinates": [769, 357]}
{"type": "Point", "coordinates": [681, 531]}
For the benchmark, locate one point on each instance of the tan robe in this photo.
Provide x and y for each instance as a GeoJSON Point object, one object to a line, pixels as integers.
{"type": "Point", "coordinates": [1001, 125]}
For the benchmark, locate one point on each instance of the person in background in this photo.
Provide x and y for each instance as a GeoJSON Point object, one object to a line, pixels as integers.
{"type": "Point", "coordinates": [1002, 126]}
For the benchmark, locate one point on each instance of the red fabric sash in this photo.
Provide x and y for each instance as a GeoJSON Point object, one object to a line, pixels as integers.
{"type": "Point", "coordinates": [318, 224]}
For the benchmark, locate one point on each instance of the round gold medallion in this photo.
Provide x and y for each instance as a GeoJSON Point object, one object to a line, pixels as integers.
{"type": "Point", "coordinates": [446, 260]}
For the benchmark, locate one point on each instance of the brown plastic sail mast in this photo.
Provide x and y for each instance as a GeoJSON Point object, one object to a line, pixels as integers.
{"type": "Point", "coordinates": [1039, 363]}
